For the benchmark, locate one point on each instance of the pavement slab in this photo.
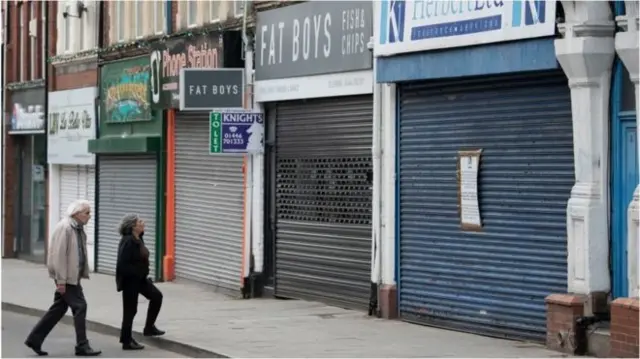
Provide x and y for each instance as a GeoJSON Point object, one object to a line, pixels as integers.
{"type": "Point", "coordinates": [213, 324]}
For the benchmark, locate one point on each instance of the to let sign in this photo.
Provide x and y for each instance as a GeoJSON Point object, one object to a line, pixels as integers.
{"type": "Point", "coordinates": [208, 89]}
{"type": "Point", "coordinates": [236, 132]}
{"type": "Point", "coordinates": [313, 38]}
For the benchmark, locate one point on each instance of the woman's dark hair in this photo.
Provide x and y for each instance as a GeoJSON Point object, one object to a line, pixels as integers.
{"type": "Point", "coordinates": [127, 223]}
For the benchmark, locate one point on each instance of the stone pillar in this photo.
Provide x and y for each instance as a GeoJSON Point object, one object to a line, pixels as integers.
{"type": "Point", "coordinates": [627, 48]}
{"type": "Point", "coordinates": [586, 54]}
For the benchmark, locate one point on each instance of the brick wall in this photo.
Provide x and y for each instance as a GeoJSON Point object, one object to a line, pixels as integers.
{"type": "Point", "coordinates": [13, 75]}
{"type": "Point", "coordinates": [562, 312]}
{"type": "Point", "coordinates": [9, 171]}
{"type": "Point", "coordinates": [624, 328]}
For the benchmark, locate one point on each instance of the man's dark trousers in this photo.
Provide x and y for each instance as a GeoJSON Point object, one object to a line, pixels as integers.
{"type": "Point", "coordinates": [73, 298]}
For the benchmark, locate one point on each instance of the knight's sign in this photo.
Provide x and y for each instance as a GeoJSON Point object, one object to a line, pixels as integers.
{"type": "Point", "coordinates": [236, 132]}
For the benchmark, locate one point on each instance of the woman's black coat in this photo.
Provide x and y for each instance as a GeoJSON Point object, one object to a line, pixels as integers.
{"type": "Point", "coordinates": [131, 268]}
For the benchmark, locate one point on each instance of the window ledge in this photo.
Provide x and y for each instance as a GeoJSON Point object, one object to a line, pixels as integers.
{"type": "Point", "coordinates": [73, 57]}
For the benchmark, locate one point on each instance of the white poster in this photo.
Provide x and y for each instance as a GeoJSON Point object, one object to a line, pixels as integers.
{"type": "Point", "coordinates": [469, 166]}
{"type": "Point", "coordinates": [72, 124]}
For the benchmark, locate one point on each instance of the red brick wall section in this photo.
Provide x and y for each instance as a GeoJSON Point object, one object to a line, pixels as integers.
{"type": "Point", "coordinates": [106, 17]}
{"type": "Point", "coordinates": [624, 328]}
{"type": "Point", "coordinates": [13, 75]}
{"type": "Point", "coordinates": [388, 301]}
{"type": "Point", "coordinates": [9, 171]}
{"type": "Point", "coordinates": [562, 312]}
{"type": "Point", "coordinates": [52, 31]}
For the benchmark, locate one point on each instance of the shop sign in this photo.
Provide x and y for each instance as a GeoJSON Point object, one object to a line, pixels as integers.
{"type": "Point", "coordinates": [27, 116]}
{"type": "Point", "coordinates": [410, 26]}
{"type": "Point", "coordinates": [313, 38]}
{"type": "Point", "coordinates": [168, 58]}
{"type": "Point", "coordinates": [236, 132]}
{"type": "Point", "coordinates": [209, 89]}
{"type": "Point", "coordinates": [125, 91]}
{"type": "Point", "coordinates": [71, 125]}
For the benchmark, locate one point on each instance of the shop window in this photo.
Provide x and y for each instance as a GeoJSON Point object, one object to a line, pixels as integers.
{"type": "Point", "coordinates": [158, 17]}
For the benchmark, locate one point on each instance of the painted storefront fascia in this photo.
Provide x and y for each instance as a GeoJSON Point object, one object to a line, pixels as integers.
{"type": "Point", "coordinates": [71, 126]}
{"type": "Point", "coordinates": [412, 26]}
{"type": "Point", "coordinates": [127, 122]}
{"type": "Point", "coordinates": [312, 50]}
{"type": "Point", "coordinates": [207, 51]}
{"type": "Point", "coordinates": [27, 115]}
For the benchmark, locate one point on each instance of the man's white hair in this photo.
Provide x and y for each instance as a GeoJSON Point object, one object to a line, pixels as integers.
{"type": "Point", "coordinates": [78, 206]}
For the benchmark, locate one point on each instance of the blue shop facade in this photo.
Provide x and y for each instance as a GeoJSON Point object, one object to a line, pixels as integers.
{"type": "Point", "coordinates": [484, 161]}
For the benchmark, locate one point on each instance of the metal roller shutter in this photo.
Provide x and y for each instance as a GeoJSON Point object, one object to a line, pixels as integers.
{"type": "Point", "coordinates": [69, 185]}
{"type": "Point", "coordinates": [323, 200]}
{"type": "Point", "coordinates": [494, 281]}
{"type": "Point", "coordinates": [90, 195]}
{"type": "Point", "coordinates": [78, 182]}
{"type": "Point", "coordinates": [127, 184]}
{"type": "Point", "coordinates": [209, 207]}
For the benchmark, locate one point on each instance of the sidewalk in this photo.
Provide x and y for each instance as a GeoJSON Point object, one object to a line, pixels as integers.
{"type": "Point", "coordinates": [197, 317]}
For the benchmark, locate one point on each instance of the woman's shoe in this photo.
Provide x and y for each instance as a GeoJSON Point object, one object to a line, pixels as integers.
{"type": "Point", "coordinates": [132, 345]}
{"type": "Point", "coordinates": [152, 332]}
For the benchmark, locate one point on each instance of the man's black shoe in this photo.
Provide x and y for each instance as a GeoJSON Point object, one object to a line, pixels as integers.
{"type": "Point", "coordinates": [132, 345]}
{"type": "Point", "coordinates": [152, 332]}
{"type": "Point", "coordinates": [36, 348]}
{"type": "Point", "coordinates": [87, 351]}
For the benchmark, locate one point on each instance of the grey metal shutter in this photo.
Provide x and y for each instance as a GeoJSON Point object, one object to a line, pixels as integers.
{"type": "Point", "coordinates": [127, 184]}
{"type": "Point", "coordinates": [209, 207]}
{"type": "Point", "coordinates": [90, 195]}
{"type": "Point", "coordinates": [494, 281]}
{"type": "Point", "coordinates": [323, 200]}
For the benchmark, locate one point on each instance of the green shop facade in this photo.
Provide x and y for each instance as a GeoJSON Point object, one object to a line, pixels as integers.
{"type": "Point", "coordinates": [130, 150]}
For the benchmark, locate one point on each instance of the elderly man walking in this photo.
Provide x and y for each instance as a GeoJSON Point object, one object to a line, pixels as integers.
{"type": "Point", "coordinates": [67, 263]}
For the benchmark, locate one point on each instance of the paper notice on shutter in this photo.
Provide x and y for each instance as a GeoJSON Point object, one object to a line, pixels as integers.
{"type": "Point", "coordinates": [468, 169]}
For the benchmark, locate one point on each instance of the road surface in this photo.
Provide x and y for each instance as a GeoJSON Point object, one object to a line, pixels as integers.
{"type": "Point", "coordinates": [61, 342]}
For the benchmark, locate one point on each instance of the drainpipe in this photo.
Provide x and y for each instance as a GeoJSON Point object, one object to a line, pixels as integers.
{"type": "Point", "coordinates": [376, 230]}
{"type": "Point", "coordinates": [168, 16]}
{"type": "Point", "coordinates": [96, 219]}
{"type": "Point", "coordinates": [248, 287]}
{"type": "Point", "coordinates": [46, 132]}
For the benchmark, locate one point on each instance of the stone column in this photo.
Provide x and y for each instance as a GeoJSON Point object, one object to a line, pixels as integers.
{"type": "Point", "coordinates": [586, 54]}
{"type": "Point", "coordinates": [626, 44]}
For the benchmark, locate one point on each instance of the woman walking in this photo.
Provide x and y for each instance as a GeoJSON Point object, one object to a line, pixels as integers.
{"type": "Point", "coordinates": [132, 272]}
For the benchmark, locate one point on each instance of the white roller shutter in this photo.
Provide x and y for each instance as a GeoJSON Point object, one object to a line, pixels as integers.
{"type": "Point", "coordinates": [68, 187]}
{"type": "Point", "coordinates": [127, 184]}
{"type": "Point", "coordinates": [78, 182]}
{"type": "Point", "coordinates": [209, 207]}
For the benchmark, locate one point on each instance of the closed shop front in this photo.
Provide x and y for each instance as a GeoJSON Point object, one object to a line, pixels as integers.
{"type": "Point", "coordinates": [208, 206]}
{"type": "Point", "coordinates": [485, 169]}
{"type": "Point", "coordinates": [26, 127]}
{"type": "Point", "coordinates": [78, 182]}
{"type": "Point", "coordinates": [493, 281]}
{"type": "Point", "coordinates": [126, 184]}
{"type": "Point", "coordinates": [323, 199]}
{"type": "Point", "coordinates": [72, 167]}
{"type": "Point", "coordinates": [128, 168]}
{"type": "Point", "coordinates": [319, 133]}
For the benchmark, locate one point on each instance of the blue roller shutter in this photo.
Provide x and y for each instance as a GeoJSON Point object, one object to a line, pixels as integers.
{"type": "Point", "coordinates": [494, 281]}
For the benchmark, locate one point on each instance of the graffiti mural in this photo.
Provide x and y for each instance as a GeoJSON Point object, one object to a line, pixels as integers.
{"type": "Point", "coordinates": [125, 91]}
